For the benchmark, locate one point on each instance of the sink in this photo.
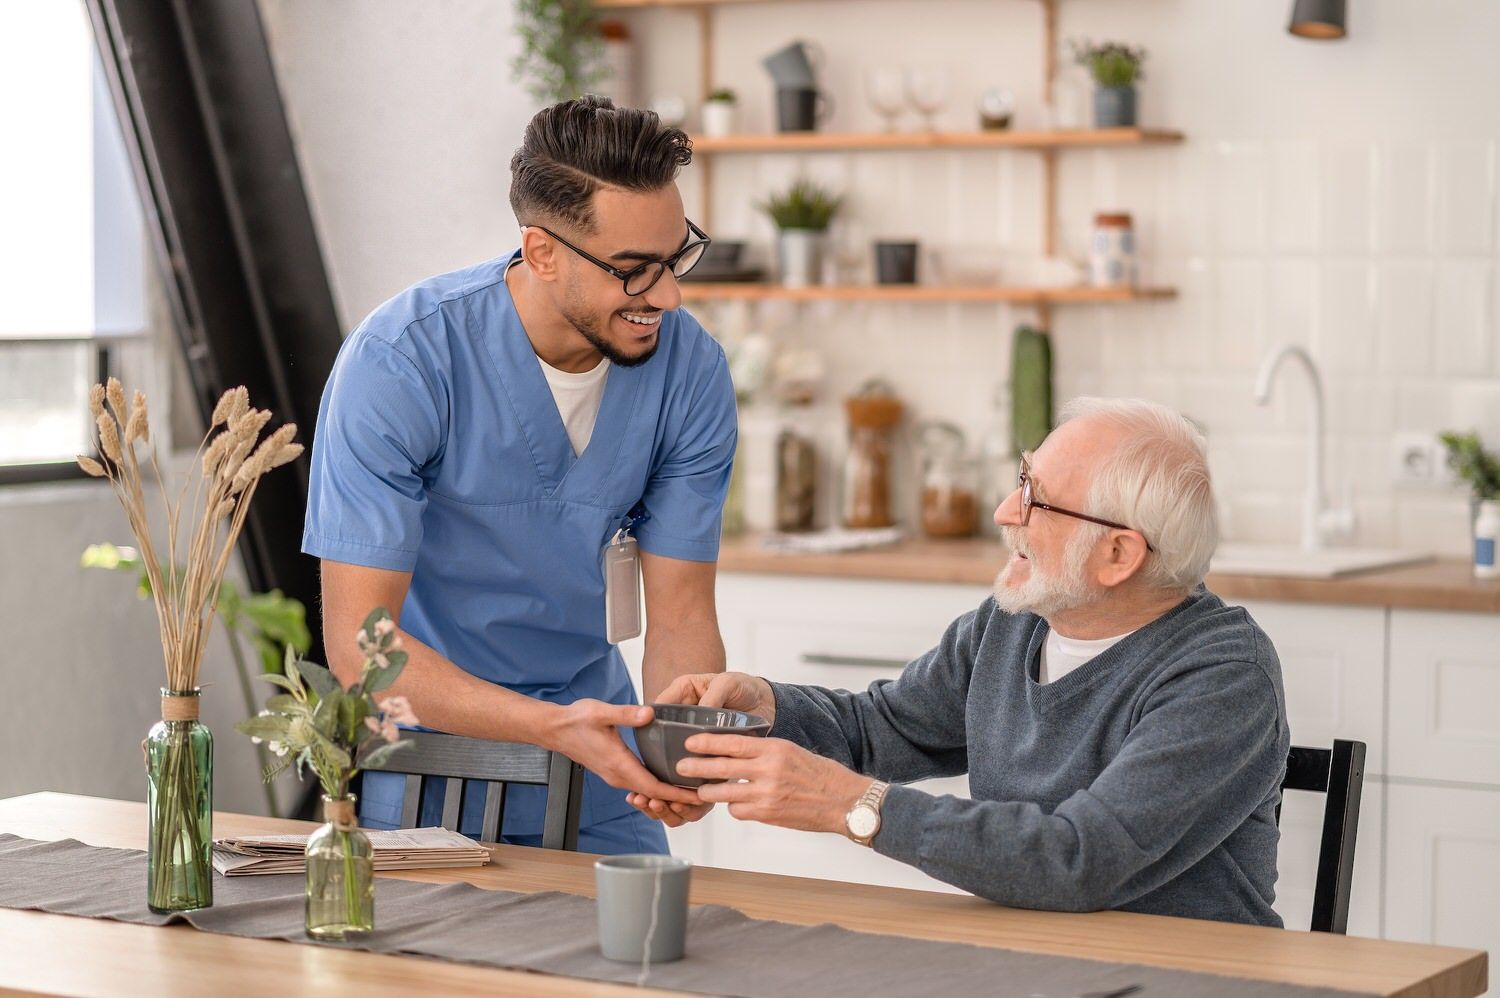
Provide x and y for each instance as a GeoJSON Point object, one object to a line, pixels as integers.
{"type": "Point", "coordinates": [1294, 562]}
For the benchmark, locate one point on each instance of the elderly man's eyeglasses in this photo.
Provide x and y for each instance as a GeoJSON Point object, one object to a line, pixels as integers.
{"type": "Point", "coordinates": [1029, 501]}
{"type": "Point", "coordinates": [643, 276]}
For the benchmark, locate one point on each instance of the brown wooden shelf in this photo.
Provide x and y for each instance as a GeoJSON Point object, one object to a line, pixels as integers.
{"type": "Point", "coordinates": [707, 291]}
{"type": "Point", "coordinates": [1066, 138]}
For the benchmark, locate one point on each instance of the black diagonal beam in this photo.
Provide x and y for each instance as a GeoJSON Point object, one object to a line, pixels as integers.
{"type": "Point", "coordinates": [197, 100]}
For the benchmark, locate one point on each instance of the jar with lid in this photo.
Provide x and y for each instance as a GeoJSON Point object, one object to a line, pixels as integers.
{"type": "Point", "coordinates": [1112, 250]}
{"type": "Point", "coordinates": [873, 413]}
{"type": "Point", "coordinates": [796, 473]}
{"type": "Point", "coordinates": [950, 493]}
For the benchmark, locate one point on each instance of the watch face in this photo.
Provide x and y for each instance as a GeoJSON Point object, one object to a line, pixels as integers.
{"type": "Point", "coordinates": [863, 821]}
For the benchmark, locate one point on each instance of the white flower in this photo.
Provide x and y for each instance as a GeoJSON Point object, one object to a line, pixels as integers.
{"type": "Point", "coordinates": [398, 711]}
{"type": "Point", "coordinates": [254, 740]}
{"type": "Point", "coordinates": [277, 748]}
{"type": "Point", "coordinates": [384, 627]}
{"type": "Point", "coordinates": [385, 729]}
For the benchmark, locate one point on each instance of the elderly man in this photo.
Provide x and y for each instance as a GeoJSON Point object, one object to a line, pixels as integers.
{"type": "Point", "coordinates": [1123, 730]}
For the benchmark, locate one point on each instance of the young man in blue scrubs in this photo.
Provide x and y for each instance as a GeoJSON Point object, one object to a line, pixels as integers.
{"type": "Point", "coordinates": [487, 433]}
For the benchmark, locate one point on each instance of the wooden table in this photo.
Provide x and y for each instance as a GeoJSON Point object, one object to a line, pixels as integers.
{"type": "Point", "coordinates": [61, 954]}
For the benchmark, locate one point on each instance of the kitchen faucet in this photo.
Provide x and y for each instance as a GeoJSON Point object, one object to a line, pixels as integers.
{"type": "Point", "coordinates": [1319, 523]}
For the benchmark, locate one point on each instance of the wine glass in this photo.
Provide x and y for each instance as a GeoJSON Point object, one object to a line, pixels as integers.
{"type": "Point", "coordinates": [885, 91]}
{"type": "Point", "coordinates": [927, 91]}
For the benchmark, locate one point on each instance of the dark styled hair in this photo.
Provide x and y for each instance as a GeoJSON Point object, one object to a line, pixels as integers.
{"type": "Point", "coordinates": [573, 148]}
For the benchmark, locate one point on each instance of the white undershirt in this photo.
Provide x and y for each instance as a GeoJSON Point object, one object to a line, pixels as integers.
{"type": "Point", "coordinates": [577, 397]}
{"type": "Point", "coordinates": [1061, 655]}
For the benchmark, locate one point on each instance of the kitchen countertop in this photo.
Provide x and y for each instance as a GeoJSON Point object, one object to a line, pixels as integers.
{"type": "Point", "coordinates": [1441, 584]}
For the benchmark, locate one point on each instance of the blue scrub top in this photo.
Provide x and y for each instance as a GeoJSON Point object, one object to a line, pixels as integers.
{"type": "Point", "coordinates": [440, 452]}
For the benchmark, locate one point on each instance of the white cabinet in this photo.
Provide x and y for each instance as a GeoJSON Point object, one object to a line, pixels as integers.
{"type": "Point", "coordinates": [1445, 696]}
{"type": "Point", "coordinates": [1333, 670]}
{"type": "Point", "coordinates": [1443, 866]}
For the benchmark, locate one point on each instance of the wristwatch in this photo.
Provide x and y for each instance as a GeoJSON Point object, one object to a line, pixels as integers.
{"type": "Point", "coordinates": [862, 823]}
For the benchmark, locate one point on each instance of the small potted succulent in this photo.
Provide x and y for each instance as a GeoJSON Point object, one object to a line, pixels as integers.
{"type": "Point", "coordinates": [802, 214]}
{"type": "Point", "coordinates": [1115, 68]}
{"type": "Point", "coordinates": [719, 112]}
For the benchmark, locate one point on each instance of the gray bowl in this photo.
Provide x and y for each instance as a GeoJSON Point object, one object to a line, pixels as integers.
{"type": "Point", "coordinates": [661, 741]}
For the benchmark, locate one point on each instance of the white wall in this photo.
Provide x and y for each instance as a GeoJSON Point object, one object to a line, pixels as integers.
{"type": "Point", "coordinates": [1339, 195]}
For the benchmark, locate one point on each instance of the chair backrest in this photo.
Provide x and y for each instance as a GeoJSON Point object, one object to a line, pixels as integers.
{"type": "Point", "coordinates": [1340, 773]}
{"type": "Point", "coordinates": [433, 755]}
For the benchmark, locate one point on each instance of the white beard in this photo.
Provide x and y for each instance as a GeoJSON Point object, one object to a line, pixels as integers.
{"type": "Point", "coordinates": [1043, 594]}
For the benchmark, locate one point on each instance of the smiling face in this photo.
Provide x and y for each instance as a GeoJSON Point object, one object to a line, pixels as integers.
{"type": "Point", "coordinates": [629, 227]}
{"type": "Point", "coordinates": [1050, 569]}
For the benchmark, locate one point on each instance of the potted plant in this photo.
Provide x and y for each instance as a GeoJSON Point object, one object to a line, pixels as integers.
{"type": "Point", "coordinates": [562, 49]}
{"type": "Point", "coordinates": [1115, 68]}
{"type": "Point", "coordinates": [318, 724]}
{"type": "Point", "coordinates": [1480, 468]}
{"type": "Point", "coordinates": [719, 113]}
{"type": "Point", "coordinates": [801, 214]}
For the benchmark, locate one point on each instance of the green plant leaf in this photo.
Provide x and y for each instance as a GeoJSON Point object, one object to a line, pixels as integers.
{"type": "Point", "coordinates": [284, 702]}
{"type": "Point", "coordinates": [379, 679]}
{"type": "Point", "coordinates": [271, 727]}
{"type": "Point", "coordinates": [380, 755]}
{"type": "Point", "coordinates": [278, 680]}
{"type": "Point", "coordinates": [318, 678]}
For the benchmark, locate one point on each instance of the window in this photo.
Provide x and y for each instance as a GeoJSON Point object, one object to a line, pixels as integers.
{"type": "Point", "coordinates": [74, 285]}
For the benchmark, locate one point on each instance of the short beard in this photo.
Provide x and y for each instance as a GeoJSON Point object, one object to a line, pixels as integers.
{"type": "Point", "coordinates": [1047, 595]}
{"type": "Point", "coordinates": [586, 326]}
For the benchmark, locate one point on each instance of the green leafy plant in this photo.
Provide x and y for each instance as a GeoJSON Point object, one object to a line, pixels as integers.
{"type": "Point", "coordinates": [723, 95]}
{"type": "Point", "coordinates": [804, 205]}
{"type": "Point", "coordinates": [562, 52]}
{"type": "Point", "coordinates": [270, 622]}
{"type": "Point", "coordinates": [317, 724]}
{"type": "Point", "coordinates": [1112, 64]}
{"type": "Point", "coordinates": [1475, 465]}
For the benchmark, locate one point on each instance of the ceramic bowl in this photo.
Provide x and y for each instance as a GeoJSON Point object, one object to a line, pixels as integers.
{"type": "Point", "coordinates": [661, 741]}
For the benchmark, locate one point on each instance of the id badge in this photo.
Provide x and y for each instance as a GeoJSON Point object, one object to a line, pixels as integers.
{"type": "Point", "coordinates": [622, 589]}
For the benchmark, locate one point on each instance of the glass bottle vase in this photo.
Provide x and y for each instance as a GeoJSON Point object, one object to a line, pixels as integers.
{"type": "Point", "coordinates": [179, 801]}
{"type": "Point", "coordinates": [340, 875]}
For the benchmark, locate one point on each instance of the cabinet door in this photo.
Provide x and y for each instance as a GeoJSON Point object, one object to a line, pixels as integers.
{"type": "Point", "coordinates": [1333, 670]}
{"type": "Point", "coordinates": [1445, 684]}
{"type": "Point", "coordinates": [1443, 866]}
{"type": "Point", "coordinates": [1297, 860]}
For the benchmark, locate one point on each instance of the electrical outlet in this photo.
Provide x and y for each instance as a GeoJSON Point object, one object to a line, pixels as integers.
{"type": "Point", "coordinates": [1417, 459]}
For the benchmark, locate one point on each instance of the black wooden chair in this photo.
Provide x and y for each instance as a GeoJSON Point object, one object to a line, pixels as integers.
{"type": "Point", "coordinates": [433, 755]}
{"type": "Point", "coordinates": [1340, 773]}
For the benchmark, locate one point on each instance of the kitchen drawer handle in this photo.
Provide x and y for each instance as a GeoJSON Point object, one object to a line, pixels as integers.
{"type": "Point", "coordinates": [861, 661]}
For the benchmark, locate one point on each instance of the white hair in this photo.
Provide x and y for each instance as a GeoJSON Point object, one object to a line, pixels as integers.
{"type": "Point", "coordinates": [1156, 482]}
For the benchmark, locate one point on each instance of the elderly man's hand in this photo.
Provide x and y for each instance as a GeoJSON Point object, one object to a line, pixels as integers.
{"type": "Point", "coordinates": [783, 783]}
{"type": "Point", "coordinates": [732, 690]}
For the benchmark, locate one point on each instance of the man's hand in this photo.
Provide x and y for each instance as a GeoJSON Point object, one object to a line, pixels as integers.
{"type": "Point", "coordinates": [784, 784]}
{"type": "Point", "coordinates": [732, 690]}
{"type": "Point", "coordinates": [586, 732]}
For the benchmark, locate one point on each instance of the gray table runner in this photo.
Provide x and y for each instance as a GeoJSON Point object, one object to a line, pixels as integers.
{"type": "Point", "coordinates": [554, 933]}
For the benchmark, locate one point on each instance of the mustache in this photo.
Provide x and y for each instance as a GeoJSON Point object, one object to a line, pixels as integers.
{"type": "Point", "coordinates": [1014, 539]}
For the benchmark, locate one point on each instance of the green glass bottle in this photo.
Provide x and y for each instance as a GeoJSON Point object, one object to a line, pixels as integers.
{"type": "Point", "coordinates": [340, 875]}
{"type": "Point", "coordinates": [179, 801]}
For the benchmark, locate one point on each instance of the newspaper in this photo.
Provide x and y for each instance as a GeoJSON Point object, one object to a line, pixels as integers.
{"type": "Point", "coordinates": [397, 849]}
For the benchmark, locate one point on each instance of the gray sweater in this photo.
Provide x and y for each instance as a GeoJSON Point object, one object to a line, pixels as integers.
{"type": "Point", "coordinates": [1145, 780]}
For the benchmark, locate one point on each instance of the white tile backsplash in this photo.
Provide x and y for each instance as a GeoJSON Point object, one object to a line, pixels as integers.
{"type": "Point", "coordinates": [1466, 197]}
{"type": "Point", "coordinates": [1462, 315]}
{"type": "Point", "coordinates": [1346, 218]}
{"type": "Point", "coordinates": [1406, 206]}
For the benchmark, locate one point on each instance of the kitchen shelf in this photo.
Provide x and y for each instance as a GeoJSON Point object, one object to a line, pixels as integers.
{"type": "Point", "coordinates": [707, 291]}
{"type": "Point", "coordinates": [1069, 138]}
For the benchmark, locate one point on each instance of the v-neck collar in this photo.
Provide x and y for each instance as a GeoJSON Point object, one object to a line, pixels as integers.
{"type": "Point", "coordinates": [560, 474]}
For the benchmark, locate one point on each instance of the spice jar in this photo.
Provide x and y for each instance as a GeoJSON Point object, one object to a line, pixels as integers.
{"type": "Point", "coordinates": [873, 413]}
{"type": "Point", "coordinates": [950, 494]}
{"type": "Point", "coordinates": [796, 476]}
{"type": "Point", "coordinates": [1112, 251]}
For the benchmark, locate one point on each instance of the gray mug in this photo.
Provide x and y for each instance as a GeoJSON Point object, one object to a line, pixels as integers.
{"type": "Point", "coordinates": [794, 67]}
{"type": "Point", "coordinates": [628, 898]}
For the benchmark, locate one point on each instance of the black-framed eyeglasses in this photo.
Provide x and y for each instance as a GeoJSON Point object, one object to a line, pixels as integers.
{"type": "Point", "coordinates": [643, 276]}
{"type": "Point", "coordinates": [1029, 501]}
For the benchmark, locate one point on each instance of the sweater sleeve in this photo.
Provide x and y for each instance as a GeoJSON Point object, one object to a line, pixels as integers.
{"type": "Point", "coordinates": [909, 728]}
{"type": "Point", "coordinates": [1208, 748]}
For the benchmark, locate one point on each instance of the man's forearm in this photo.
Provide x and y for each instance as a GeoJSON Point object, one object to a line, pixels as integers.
{"type": "Point", "coordinates": [690, 647]}
{"type": "Point", "coordinates": [446, 698]}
